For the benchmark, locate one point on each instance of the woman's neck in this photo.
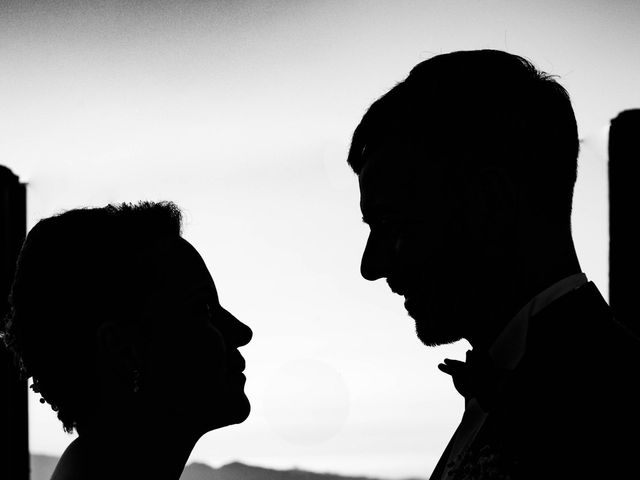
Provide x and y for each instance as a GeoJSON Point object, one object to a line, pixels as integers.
{"type": "Point", "coordinates": [136, 449]}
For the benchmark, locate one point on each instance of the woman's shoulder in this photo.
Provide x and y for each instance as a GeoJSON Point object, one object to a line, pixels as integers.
{"type": "Point", "coordinates": [73, 463]}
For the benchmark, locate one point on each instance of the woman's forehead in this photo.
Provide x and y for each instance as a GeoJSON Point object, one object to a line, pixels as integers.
{"type": "Point", "coordinates": [181, 272]}
{"type": "Point", "coordinates": [180, 257]}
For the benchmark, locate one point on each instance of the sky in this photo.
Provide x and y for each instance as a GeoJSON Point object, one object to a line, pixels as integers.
{"type": "Point", "coordinates": [241, 112]}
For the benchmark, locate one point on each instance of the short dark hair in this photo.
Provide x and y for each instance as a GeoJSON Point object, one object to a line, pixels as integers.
{"type": "Point", "coordinates": [481, 108]}
{"type": "Point", "coordinates": [76, 270]}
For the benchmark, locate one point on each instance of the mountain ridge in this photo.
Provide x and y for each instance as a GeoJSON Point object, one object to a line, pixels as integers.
{"type": "Point", "coordinates": [42, 467]}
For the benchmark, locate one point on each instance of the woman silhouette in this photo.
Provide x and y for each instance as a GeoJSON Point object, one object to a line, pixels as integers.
{"type": "Point", "coordinates": [117, 319]}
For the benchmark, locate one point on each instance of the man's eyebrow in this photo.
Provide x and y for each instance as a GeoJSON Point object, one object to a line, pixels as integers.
{"type": "Point", "coordinates": [386, 214]}
{"type": "Point", "coordinates": [369, 213]}
{"type": "Point", "coordinates": [370, 218]}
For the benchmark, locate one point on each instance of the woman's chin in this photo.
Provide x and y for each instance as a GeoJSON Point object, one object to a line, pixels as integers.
{"type": "Point", "coordinates": [232, 413]}
{"type": "Point", "coordinates": [239, 411]}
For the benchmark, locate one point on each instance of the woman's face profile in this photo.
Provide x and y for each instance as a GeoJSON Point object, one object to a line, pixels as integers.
{"type": "Point", "coordinates": [192, 368]}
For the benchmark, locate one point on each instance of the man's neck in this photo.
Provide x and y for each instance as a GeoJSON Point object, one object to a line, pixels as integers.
{"type": "Point", "coordinates": [541, 263]}
{"type": "Point", "coordinates": [545, 259]}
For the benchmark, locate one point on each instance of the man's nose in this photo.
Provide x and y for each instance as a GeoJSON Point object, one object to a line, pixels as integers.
{"type": "Point", "coordinates": [375, 259]}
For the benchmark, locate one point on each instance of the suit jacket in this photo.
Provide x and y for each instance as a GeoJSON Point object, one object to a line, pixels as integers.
{"type": "Point", "coordinates": [571, 408]}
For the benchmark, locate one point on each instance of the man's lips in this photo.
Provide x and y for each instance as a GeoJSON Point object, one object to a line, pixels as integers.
{"type": "Point", "coordinates": [396, 287]}
{"type": "Point", "coordinates": [403, 288]}
{"type": "Point", "coordinates": [409, 290]}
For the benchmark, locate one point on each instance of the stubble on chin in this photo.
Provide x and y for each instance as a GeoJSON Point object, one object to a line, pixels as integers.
{"type": "Point", "coordinates": [434, 330]}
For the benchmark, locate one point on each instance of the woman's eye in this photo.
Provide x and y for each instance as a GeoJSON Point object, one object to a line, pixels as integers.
{"type": "Point", "coordinates": [213, 312]}
{"type": "Point", "coordinates": [200, 309]}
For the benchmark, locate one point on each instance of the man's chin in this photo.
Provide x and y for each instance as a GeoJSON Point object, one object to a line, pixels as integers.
{"type": "Point", "coordinates": [433, 327]}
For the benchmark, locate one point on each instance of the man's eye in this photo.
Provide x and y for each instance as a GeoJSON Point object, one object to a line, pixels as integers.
{"type": "Point", "coordinates": [395, 227]}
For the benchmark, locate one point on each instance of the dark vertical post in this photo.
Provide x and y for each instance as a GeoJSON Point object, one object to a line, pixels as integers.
{"type": "Point", "coordinates": [14, 425]}
{"type": "Point", "coordinates": [624, 217]}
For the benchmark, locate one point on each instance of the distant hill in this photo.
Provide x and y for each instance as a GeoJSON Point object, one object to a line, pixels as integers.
{"type": "Point", "coordinates": [42, 467]}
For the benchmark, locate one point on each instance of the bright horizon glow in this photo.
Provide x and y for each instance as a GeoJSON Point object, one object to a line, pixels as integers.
{"type": "Point", "coordinates": [241, 113]}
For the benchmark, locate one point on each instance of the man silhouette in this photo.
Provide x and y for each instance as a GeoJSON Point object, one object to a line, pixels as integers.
{"type": "Point", "coordinates": [466, 172]}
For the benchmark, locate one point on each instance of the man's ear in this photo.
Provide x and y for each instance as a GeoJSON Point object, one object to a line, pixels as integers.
{"type": "Point", "coordinates": [491, 201]}
{"type": "Point", "coordinates": [116, 349]}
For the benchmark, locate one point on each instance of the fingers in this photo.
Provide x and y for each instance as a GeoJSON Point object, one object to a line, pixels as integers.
{"type": "Point", "coordinates": [451, 366]}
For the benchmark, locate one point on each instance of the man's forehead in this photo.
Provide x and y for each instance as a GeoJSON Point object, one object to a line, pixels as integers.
{"type": "Point", "coordinates": [385, 160]}
{"type": "Point", "coordinates": [398, 175]}
{"type": "Point", "coordinates": [385, 186]}
{"type": "Point", "coordinates": [397, 167]}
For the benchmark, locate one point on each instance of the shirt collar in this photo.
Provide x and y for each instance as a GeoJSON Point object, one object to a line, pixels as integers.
{"type": "Point", "coordinates": [509, 347]}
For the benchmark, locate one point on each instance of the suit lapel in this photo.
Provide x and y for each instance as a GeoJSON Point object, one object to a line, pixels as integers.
{"type": "Point", "coordinates": [554, 333]}
{"type": "Point", "coordinates": [442, 463]}
{"type": "Point", "coordinates": [513, 427]}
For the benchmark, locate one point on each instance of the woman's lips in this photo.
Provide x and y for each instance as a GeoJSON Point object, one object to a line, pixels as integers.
{"type": "Point", "coordinates": [237, 363]}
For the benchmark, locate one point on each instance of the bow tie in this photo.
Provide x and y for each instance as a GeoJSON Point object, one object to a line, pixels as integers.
{"type": "Point", "coordinates": [476, 378]}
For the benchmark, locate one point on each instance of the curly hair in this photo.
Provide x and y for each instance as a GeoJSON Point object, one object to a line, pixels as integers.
{"type": "Point", "coordinates": [76, 270]}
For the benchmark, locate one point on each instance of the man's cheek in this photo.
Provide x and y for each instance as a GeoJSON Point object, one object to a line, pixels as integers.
{"type": "Point", "coordinates": [412, 252]}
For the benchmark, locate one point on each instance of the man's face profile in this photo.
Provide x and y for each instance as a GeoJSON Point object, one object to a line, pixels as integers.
{"type": "Point", "coordinates": [414, 242]}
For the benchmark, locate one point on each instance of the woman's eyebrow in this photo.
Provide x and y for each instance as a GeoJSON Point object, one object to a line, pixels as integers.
{"type": "Point", "coordinates": [202, 292]}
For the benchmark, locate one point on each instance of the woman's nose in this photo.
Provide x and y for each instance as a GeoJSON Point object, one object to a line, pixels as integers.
{"type": "Point", "coordinates": [238, 333]}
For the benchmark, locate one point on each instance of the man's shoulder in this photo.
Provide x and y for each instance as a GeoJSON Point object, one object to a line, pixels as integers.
{"type": "Point", "coordinates": [578, 372]}
{"type": "Point", "coordinates": [581, 322]}
{"type": "Point", "coordinates": [571, 400]}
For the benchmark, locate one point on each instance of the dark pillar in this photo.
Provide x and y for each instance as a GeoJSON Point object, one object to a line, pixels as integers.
{"type": "Point", "coordinates": [14, 425]}
{"type": "Point", "coordinates": [624, 217]}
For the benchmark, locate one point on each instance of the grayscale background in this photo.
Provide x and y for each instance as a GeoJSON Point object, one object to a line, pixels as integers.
{"type": "Point", "coordinates": [241, 112]}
